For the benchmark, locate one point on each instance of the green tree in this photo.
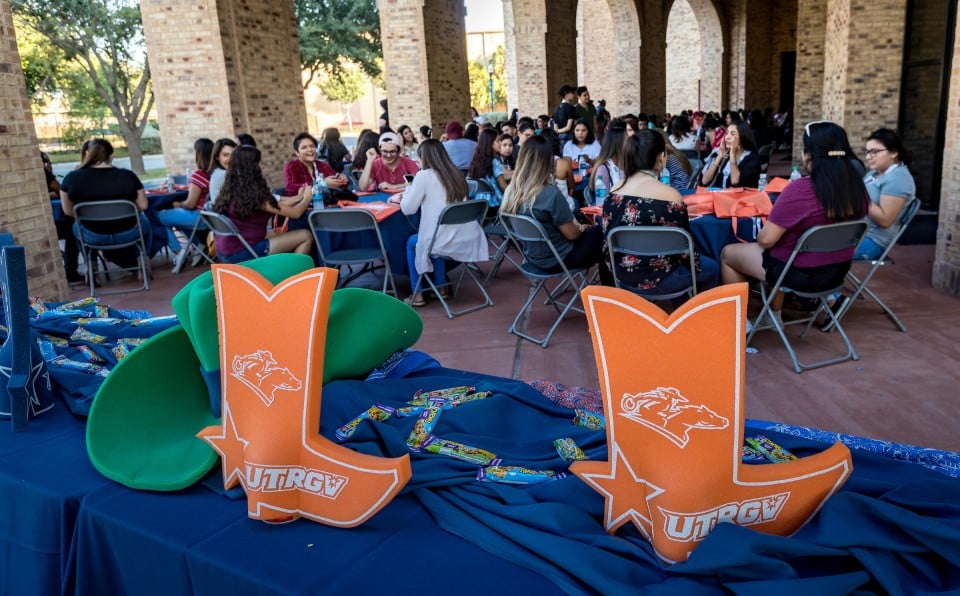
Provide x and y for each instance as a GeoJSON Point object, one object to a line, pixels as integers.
{"type": "Point", "coordinates": [347, 88]}
{"type": "Point", "coordinates": [104, 39]}
{"type": "Point", "coordinates": [480, 81]}
{"type": "Point", "coordinates": [334, 33]}
{"type": "Point", "coordinates": [43, 64]}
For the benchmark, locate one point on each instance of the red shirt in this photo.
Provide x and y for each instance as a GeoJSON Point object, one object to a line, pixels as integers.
{"type": "Point", "coordinates": [296, 174]}
{"type": "Point", "coordinates": [380, 173]}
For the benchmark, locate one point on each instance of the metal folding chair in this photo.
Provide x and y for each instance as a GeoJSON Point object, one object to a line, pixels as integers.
{"type": "Point", "coordinates": [191, 247]}
{"type": "Point", "coordinates": [471, 188]}
{"type": "Point", "coordinates": [352, 220]}
{"type": "Point", "coordinates": [860, 286]}
{"type": "Point", "coordinates": [221, 225]}
{"type": "Point", "coordinates": [765, 152]}
{"type": "Point", "coordinates": [652, 241]}
{"type": "Point", "coordinates": [104, 211]}
{"type": "Point", "coordinates": [525, 231]}
{"type": "Point", "coordinates": [455, 214]}
{"type": "Point", "coordinates": [826, 238]}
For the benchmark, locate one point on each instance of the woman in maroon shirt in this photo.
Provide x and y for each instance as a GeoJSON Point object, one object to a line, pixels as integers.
{"type": "Point", "coordinates": [245, 198]}
{"type": "Point", "coordinates": [303, 170]}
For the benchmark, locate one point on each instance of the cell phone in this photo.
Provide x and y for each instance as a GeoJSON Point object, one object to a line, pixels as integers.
{"type": "Point", "coordinates": [408, 178]}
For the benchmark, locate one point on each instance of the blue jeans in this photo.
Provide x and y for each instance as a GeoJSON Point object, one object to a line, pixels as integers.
{"type": "Point", "coordinates": [125, 257]}
{"type": "Point", "coordinates": [439, 265]}
{"type": "Point", "coordinates": [177, 217]}
{"type": "Point", "coordinates": [868, 250]}
{"type": "Point", "coordinates": [262, 249]}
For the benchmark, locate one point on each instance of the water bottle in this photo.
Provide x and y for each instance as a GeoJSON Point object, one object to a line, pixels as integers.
{"type": "Point", "coordinates": [795, 174]}
{"type": "Point", "coordinates": [171, 183]}
{"type": "Point", "coordinates": [665, 176]}
{"type": "Point", "coordinates": [318, 185]}
{"type": "Point", "coordinates": [763, 182]}
{"type": "Point", "coordinates": [582, 164]}
{"type": "Point", "coordinates": [599, 191]}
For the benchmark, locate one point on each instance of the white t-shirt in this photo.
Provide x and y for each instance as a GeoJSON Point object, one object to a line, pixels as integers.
{"type": "Point", "coordinates": [571, 151]}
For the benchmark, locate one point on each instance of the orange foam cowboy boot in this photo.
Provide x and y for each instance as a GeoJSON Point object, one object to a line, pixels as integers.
{"type": "Point", "coordinates": [673, 400]}
{"type": "Point", "coordinates": [271, 354]}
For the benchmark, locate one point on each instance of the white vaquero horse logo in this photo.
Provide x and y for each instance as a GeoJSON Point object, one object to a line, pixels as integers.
{"type": "Point", "coordinates": [259, 372]}
{"type": "Point", "coordinates": [662, 411]}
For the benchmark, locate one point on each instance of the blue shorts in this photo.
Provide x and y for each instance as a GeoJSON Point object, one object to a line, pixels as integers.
{"type": "Point", "coordinates": [262, 249]}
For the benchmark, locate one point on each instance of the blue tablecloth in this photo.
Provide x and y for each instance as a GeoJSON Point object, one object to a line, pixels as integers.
{"type": "Point", "coordinates": [711, 233]}
{"type": "Point", "coordinates": [159, 202]}
{"type": "Point", "coordinates": [395, 230]}
{"type": "Point", "coordinates": [894, 527]}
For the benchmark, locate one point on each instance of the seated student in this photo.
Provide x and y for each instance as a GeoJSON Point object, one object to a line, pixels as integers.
{"type": "Point", "coordinates": [563, 177]}
{"type": "Point", "coordinates": [640, 199]}
{"type": "Point", "coordinates": [531, 193]}
{"type": "Point", "coordinates": [890, 186]}
{"type": "Point", "coordinates": [583, 143]}
{"type": "Point", "coordinates": [735, 163]}
{"type": "Point", "coordinates": [184, 214]}
{"type": "Point", "coordinates": [410, 143]}
{"type": "Point", "coordinates": [222, 150]}
{"type": "Point", "coordinates": [246, 199]}
{"type": "Point", "coordinates": [332, 149]}
{"type": "Point", "coordinates": [503, 162]}
{"type": "Point", "coordinates": [386, 172]}
{"type": "Point", "coordinates": [303, 170]}
{"type": "Point", "coordinates": [96, 179]}
{"type": "Point", "coordinates": [832, 193]}
{"type": "Point", "coordinates": [459, 148]}
{"type": "Point", "coordinates": [608, 163]}
{"type": "Point", "coordinates": [71, 252]}
{"type": "Point", "coordinates": [482, 165]}
{"type": "Point", "coordinates": [365, 141]}
{"type": "Point", "coordinates": [438, 185]}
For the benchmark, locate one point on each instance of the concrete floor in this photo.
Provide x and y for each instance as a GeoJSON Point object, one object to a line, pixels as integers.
{"type": "Point", "coordinates": [903, 388]}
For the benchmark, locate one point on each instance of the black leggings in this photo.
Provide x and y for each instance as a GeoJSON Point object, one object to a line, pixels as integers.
{"type": "Point", "coordinates": [588, 250]}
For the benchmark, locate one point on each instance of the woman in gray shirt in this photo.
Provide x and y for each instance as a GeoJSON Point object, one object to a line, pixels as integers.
{"type": "Point", "coordinates": [890, 186]}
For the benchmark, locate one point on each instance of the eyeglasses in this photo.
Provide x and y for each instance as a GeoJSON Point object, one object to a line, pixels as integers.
{"type": "Point", "coordinates": [389, 152]}
{"type": "Point", "coordinates": [806, 129]}
{"type": "Point", "coordinates": [872, 152]}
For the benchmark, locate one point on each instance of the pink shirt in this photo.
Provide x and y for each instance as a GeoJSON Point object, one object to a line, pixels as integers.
{"type": "Point", "coordinates": [379, 172]}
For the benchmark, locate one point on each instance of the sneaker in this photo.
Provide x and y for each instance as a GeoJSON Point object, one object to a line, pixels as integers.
{"type": "Point", "coordinates": [179, 259]}
{"type": "Point", "coordinates": [835, 308]}
{"type": "Point", "coordinates": [197, 256]}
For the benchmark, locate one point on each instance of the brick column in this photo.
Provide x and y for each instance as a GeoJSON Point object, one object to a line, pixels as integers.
{"type": "Point", "coordinates": [24, 206]}
{"type": "Point", "coordinates": [608, 49]}
{"type": "Point", "coordinates": [946, 264]}
{"type": "Point", "coordinates": [222, 67]}
{"type": "Point", "coordinates": [426, 67]}
{"type": "Point", "coordinates": [653, 56]}
{"type": "Point", "coordinates": [531, 27]}
{"type": "Point", "coordinates": [808, 93]}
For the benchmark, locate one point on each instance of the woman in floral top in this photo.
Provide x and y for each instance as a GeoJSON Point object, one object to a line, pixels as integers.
{"type": "Point", "coordinates": [642, 200]}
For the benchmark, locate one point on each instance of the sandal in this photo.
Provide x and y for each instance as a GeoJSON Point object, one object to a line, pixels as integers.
{"type": "Point", "coordinates": [445, 294]}
{"type": "Point", "coordinates": [415, 301]}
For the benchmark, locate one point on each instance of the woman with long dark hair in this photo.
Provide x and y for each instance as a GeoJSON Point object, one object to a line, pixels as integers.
{"type": "Point", "coordinates": [533, 193]}
{"type": "Point", "coordinates": [608, 163]}
{"type": "Point", "coordinates": [222, 152]}
{"type": "Point", "coordinates": [246, 199]}
{"type": "Point", "coordinates": [410, 143]}
{"type": "Point", "coordinates": [366, 141]}
{"type": "Point", "coordinates": [438, 184]}
{"type": "Point", "coordinates": [640, 199]}
{"type": "Point", "coordinates": [333, 150]}
{"type": "Point", "coordinates": [582, 143]}
{"type": "Point", "coordinates": [832, 193]}
{"type": "Point", "coordinates": [890, 186]}
{"type": "Point", "coordinates": [482, 165]}
{"type": "Point", "coordinates": [184, 214]}
{"type": "Point", "coordinates": [735, 163]}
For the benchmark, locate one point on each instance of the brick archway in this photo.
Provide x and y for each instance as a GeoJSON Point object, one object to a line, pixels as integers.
{"type": "Point", "coordinates": [694, 56]}
{"type": "Point", "coordinates": [610, 70]}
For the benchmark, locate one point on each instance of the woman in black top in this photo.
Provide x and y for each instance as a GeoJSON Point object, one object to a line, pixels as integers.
{"type": "Point", "coordinates": [96, 179]}
{"type": "Point", "coordinates": [735, 163]}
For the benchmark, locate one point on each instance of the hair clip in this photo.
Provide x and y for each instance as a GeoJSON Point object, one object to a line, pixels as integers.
{"type": "Point", "coordinates": [837, 153]}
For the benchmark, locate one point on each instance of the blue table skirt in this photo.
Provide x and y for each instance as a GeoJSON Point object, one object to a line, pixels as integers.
{"type": "Point", "coordinates": [894, 527]}
{"type": "Point", "coordinates": [395, 231]}
{"type": "Point", "coordinates": [711, 233]}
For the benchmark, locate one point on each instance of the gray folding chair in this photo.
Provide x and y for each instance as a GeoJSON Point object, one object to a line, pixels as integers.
{"type": "Point", "coordinates": [221, 225]}
{"type": "Point", "coordinates": [765, 152]}
{"type": "Point", "coordinates": [105, 211]}
{"type": "Point", "coordinates": [860, 286]}
{"type": "Point", "coordinates": [471, 188]}
{"type": "Point", "coordinates": [455, 214]}
{"type": "Point", "coordinates": [525, 231]}
{"type": "Point", "coordinates": [370, 258]}
{"type": "Point", "coordinates": [652, 241]}
{"type": "Point", "coordinates": [826, 238]}
{"type": "Point", "coordinates": [192, 247]}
